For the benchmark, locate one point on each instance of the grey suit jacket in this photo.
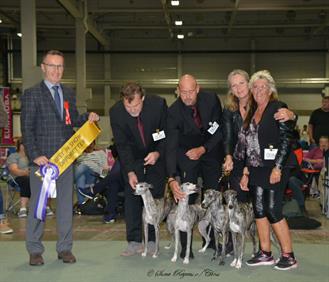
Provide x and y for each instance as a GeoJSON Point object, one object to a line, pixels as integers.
{"type": "Point", "coordinates": [43, 130]}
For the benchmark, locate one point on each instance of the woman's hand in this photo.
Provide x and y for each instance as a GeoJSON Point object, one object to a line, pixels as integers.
{"type": "Point", "coordinates": [244, 182]}
{"type": "Point", "coordinates": [275, 176]}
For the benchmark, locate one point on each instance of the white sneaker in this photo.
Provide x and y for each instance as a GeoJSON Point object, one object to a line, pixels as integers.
{"type": "Point", "coordinates": [49, 212]}
{"type": "Point", "coordinates": [22, 213]}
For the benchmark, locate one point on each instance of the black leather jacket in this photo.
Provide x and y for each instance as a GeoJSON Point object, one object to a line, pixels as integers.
{"type": "Point", "coordinates": [232, 123]}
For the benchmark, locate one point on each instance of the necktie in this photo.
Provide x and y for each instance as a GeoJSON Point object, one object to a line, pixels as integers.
{"type": "Point", "coordinates": [141, 129]}
{"type": "Point", "coordinates": [196, 117]}
{"type": "Point", "coordinates": [57, 99]}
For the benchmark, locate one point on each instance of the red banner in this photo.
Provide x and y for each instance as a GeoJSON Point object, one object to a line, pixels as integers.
{"type": "Point", "coordinates": [7, 132]}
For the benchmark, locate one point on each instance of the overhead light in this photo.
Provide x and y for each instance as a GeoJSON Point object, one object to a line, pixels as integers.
{"type": "Point", "coordinates": [19, 34]}
{"type": "Point", "coordinates": [180, 36]}
{"type": "Point", "coordinates": [0, 20]}
{"type": "Point", "coordinates": [178, 22]}
{"type": "Point", "coordinates": [174, 3]}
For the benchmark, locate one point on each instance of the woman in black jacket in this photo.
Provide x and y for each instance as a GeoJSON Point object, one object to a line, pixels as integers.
{"type": "Point", "coordinates": [265, 144]}
{"type": "Point", "coordinates": [238, 102]}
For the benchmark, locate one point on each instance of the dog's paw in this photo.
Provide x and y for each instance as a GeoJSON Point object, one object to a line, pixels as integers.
{"type": "Point", "coordinates": [238, 264]}
{"type": "Point", "coordinates": [202, 250]}
{"type": "Point", "coordinates": [167, 247]}
{"type": "Point", "coordinates": [174, 258]}
{"type": "Point", "coordinates": [186, 261]}
{"type": "Point", "coordinates": [144, 254]}
{"type": "Point", "coordinates": [233, 263]}
{"type": "Point", "coordinates": [155, 256]}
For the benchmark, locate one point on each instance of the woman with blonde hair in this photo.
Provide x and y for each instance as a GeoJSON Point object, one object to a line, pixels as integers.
{"type": "Point", "coordinates": [265, 146]}
{"type": "Point", "coordinates": [238, 102]}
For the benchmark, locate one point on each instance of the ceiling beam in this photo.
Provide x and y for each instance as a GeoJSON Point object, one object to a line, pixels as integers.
{"type": "Point", "coordinates": [184, 27]}
{"type": "Point", "coordinates": [182, 10]}
{"type": "Point", "coordinates": [167, 17]}
{"type": "Point", "coordinates": [233, 15]}
{"type": "Point", "coordinates": [91, 26]}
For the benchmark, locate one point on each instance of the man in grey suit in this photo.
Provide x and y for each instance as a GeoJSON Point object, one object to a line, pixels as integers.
{"type": "Point", "coordinates": [46, 126]}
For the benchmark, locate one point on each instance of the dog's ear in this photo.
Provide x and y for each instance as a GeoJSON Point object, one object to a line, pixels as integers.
{"type": "Point", "coordinates": [220, 196]}
{"type": "Point", "coordinates": [150, 186]}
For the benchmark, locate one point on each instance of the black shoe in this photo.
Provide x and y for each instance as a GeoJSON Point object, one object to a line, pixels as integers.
{"type": "Point", "coordinates": [261, 259]}
{"type": "Point", "coordinates": [286, 263]}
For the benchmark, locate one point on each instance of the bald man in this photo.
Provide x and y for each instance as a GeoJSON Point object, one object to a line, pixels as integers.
{"type": "Point", "coordinates": [194, 134]}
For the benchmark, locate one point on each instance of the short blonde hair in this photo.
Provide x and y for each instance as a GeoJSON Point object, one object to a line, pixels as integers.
{"type": "Point", "coordinates": [265, 74]}
{"type": "Point", "coordinates": [232, 102]}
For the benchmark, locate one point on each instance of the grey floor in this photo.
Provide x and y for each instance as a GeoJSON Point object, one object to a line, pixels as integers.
{"type": "Point", "coordinates": [97, 247]}
{"type": "Point", "coordinates": [100, 261]}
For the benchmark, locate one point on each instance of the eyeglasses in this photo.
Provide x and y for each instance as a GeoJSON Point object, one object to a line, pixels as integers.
{"type": "Point", "coordinates": [53, 67]}
{"type": "Point", "coordinates": [260, 88]}
{"type": "Point", "coordinates": [187, 92]}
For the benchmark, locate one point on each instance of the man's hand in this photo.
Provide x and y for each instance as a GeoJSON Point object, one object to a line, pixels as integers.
{"type": "Point", "coordinates": [93, 117]}
{"type": "Point", "coordinates": [175, 189]}
{"type": "Point", "coordinates": [284, 114]}
{"type": "Point", "coordinates": [195, 153]}
{"type": "Point", "coordinates": [228, 164]}
{"type": "Point", "coordinates": [275, 176]}
{"type": "Point", "coordinates": [151, 158]}
{"type": "Point", "coordinates": [42, 160]}
{"type": "Point", "coordinates": [133, 180]}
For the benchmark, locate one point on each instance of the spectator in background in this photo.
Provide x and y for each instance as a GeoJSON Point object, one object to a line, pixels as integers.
{"type": "Point", "coordinates": [319, 122]}
{"type": "Point", "coordinates": [315, 155]}
{"type": "Point", "coordinates": [90, 165]}
{"type": "Point", "coordinates": [18, 165]}
{"type": "Point", "coordinates": [4, 225]}
{"type": "Point", "coordinates": [109, 186]}
{"type": "Point", "coordinates": [304, 140]}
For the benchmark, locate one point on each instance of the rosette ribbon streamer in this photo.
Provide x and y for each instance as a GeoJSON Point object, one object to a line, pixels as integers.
{"type": "Point", "coordinates": [49, 173]}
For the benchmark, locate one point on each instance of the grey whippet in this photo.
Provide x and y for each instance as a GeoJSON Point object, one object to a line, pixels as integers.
{"type": "Point", "coordinates": [242, 224]}
{"type": "Point", "coordinates": [154, 212]}
{"type": "Point", "coordinates": [217, 217]}
{"type": "Point", "coordinates": [184, 219]}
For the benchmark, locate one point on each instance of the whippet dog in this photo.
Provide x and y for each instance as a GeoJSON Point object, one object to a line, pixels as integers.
{"type": "Point", "coordinates": [185, 218]}
{"type": "Point", "coordinates": [217, 217]}
{"type": "Point", "coordinates": [242, 224]}
{"type": "Point", "coordinates": [154, 212]}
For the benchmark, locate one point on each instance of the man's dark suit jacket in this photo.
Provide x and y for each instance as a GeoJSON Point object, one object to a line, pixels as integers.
{"type": "Point", "coordinates": [129, 144]}
{"type": "Point", "coordinates": [43, 130]}
{"type": "Point", "coordinates": [184, 135]}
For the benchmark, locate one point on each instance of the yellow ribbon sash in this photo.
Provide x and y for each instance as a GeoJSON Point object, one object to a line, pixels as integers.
{"type": "Point", "coordinates": [75, 146]}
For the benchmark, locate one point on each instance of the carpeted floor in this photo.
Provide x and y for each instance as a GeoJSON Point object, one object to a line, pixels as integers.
{"type": "Point", "coordinates": [100, 261]}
